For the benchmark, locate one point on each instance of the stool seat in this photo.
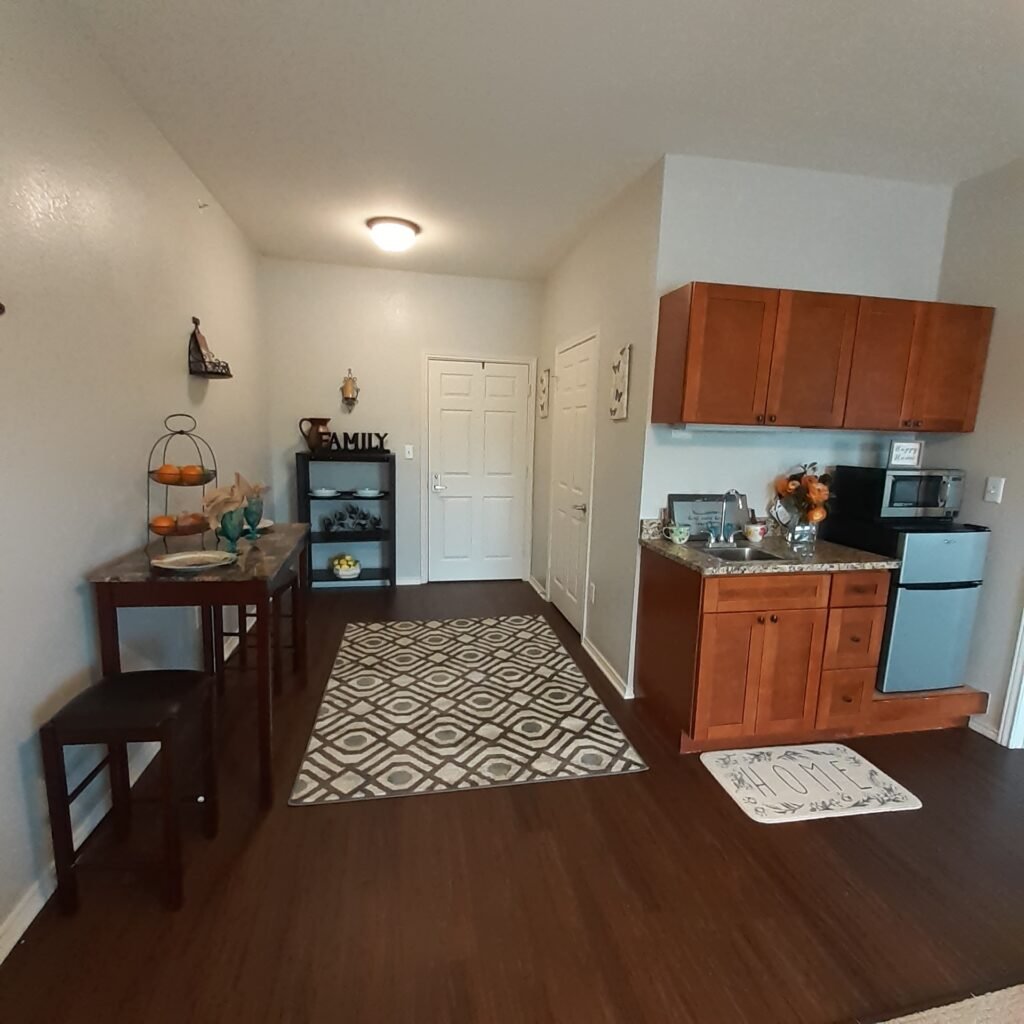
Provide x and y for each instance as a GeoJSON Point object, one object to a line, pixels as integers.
{"type": "Point", "coordinates": [129, 701]}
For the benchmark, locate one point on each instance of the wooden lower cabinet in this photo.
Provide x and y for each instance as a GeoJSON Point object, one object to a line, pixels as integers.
{"type": "Point", "coordinates": [787, 694]}
{"type": "Point", "coordinates": [773, 658]}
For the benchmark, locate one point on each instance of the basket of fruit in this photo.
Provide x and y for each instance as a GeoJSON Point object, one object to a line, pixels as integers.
{"type": "Point", "coordinates": [345, 567]}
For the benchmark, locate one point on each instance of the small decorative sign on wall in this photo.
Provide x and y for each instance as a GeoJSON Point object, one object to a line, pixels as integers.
{"type": "Point", "coordinates": [543, 392]}
{"type": "Point", "coordinates": [620, 384]}
{"type": "Point", "coordinates": [357, 442]}
{"type": "Point", "coordinates": [905, 454]}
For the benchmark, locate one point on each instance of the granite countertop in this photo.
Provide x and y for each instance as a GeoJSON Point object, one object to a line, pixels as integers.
{"type": "Point", "coordinates": [826, 557]}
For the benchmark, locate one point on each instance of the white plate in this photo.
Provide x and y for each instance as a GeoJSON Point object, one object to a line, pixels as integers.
{"type": "Point", "coordinates": [367, 492]}
{"type": "Point", "coordinates": [264, 524]}
{"type": "Point", "coordinates": [193, 561]}
{"type": "Point", "coordinates": [324, 492]}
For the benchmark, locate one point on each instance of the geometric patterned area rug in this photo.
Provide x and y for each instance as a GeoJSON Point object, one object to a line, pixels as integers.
{"type": "Point", "coordinates": [442, 706]}
{"type": "Point", "coordinates": [1004, 1007]}
{"type": "Point", "coordinates": [813, 780]}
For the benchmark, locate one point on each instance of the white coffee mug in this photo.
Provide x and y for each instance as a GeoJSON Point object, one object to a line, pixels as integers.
{"type": "Point", "coordinates": [755, 532]}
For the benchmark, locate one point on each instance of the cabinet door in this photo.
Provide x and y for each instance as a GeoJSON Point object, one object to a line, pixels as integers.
{"type": "Point", "coordinates": [947, 361]}
{"type": "Point", "coordinates": [787, 698]}
{"type": "Point", "coordinates": [881, 360]}
{"type": "Point", "coordinates": [810, 369]}
{"type": "Point", "coordinates": [728, 353]}
{"type": "Point", "coordinates": [731, 648]}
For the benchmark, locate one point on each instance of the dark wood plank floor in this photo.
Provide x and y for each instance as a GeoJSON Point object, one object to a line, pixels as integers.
{"type": "Point", "coordinates": [647, 897]}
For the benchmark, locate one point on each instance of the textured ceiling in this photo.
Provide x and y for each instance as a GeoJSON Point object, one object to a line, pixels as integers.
{"type": "Point", "coordinates": [503, 127]}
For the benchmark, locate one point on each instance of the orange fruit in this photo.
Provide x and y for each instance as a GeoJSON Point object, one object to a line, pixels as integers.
{"type": "Point", "coordinates": [163, 525]}
{"type": "Point", "coordinates": [192, 474]}
{"type": "Point", "coordinates": [816, 514]}
{"type": "Point", "coordinates": [168, 474]}
{"type": "Point", "coordinates": [808, 479]}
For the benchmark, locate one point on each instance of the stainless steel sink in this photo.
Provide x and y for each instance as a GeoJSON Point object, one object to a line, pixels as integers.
{"type": "Point", "coordinates": [742, 555]}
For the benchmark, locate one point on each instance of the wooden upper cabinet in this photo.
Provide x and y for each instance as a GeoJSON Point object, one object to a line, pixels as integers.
{"type": "Point", "coordinates": [881, 361]}
{"type": "Point", "coordinates": [731, 354]}
{"type": "Point", "coordinates": [794, 642]}
{"type": "Point", "coordinates": [947, 362]}
{"type": "Point", "coordinates": [811, 358]}
{"type": "Point", "coordinates": [714, 354]}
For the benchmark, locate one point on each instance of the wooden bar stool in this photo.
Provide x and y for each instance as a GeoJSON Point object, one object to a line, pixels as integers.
{"type": "Point", "coordinates": [132, 707]}
{"type": "Point", "coordinates": [277, 646]}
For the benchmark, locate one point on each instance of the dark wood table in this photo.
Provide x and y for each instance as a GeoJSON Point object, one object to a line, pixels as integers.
{"type": "Point", "coordinates": [263, 567]}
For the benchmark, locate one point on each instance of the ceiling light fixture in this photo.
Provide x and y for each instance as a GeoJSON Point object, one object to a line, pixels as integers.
{"type": "Point", "coordinates": [393, 234]}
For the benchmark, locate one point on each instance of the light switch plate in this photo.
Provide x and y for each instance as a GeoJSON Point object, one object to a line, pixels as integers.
{"type": "Point", "coordinates": [408, 451]}
{"type": "Point", "coordinates": [994, 488]}
{"type": "Point", "coordinates": [593, 591]}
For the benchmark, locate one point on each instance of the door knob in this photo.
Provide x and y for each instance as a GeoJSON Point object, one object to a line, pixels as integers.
{"type": "Point", "coordinates": [771, 419]}
{"type": "Point", "coordinates": [855, 639]}
{"type": "Point", "coordinates": [580, 508]}
{"type": "Point", "coordinates": [775, 618]}
{"type": "Point", "coordinates": [437, 485]}
{"type": "Point", "coordinates": [759, 417]}
{"type": "Point", "coordinates": [760, 619]}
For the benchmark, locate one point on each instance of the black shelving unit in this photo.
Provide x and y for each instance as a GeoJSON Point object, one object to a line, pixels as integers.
{"type": "Point", "coordinates": [331, 473]}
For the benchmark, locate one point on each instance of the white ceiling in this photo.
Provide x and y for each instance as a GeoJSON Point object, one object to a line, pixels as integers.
{"type": "Point", "coordinates": [502, 127]}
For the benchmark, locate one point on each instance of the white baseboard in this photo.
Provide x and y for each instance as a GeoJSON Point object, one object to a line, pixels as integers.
{"type": "Point", "coordinates": [987, 729]}
{"type": "Point", "coordinates": [14, 926]}
{"type": "Point", "coordinates": [409, 581]}
{"type": "Point", "coordinates": [605, 666]}
{"type": "Point", "coordinates": [542, 590]}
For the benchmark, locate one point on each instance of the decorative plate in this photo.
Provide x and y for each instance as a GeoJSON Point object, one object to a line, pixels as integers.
{"type": "Point", "coordinates": [193, 561]}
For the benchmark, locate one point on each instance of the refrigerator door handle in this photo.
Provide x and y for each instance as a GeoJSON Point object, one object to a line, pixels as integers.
{"type": "Point", "coordinates": [969, 585]}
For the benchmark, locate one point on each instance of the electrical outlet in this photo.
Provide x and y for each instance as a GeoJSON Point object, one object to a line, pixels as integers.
{"type": "Point", "coordinates": [408, 451]}
{"type": "Point", "coordinates": [592, 591]}
{"type": "Point", "coordinates": [994, 488]}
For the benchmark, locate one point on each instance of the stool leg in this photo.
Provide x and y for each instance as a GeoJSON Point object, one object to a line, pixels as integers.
{"type": "Point", "coordinates": [172, 832]}
{"type": "Point", "coordinates": [275, 626]}
{"type": "Point", "coordinates": [218, 646]}
{"type": "Point", "coordinates": [60, 818]}
{"type": "Point", "coordinates": [211, 813]}
{"type": "Point", "coordinates": [120, 789]}
{"type": "Point", "coordinates": [243, 647]}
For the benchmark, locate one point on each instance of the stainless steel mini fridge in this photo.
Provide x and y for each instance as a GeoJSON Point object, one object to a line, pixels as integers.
{"type": "Point", "coordinates": [932, 610]}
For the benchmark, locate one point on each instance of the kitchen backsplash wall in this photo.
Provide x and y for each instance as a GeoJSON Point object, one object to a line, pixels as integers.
{"type": "Point", "coordinates": [715, 460]}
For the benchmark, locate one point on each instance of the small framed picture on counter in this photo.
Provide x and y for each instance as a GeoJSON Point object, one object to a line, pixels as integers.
{"type": "Point", "coordinates": [905, 454]}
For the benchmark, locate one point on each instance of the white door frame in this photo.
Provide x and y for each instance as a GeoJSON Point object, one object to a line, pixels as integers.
{"type": "Point", "coordinates": [1011, 729]}
{"type": "Point", "coordinates": [594, 336]}
{"type": "Point", "coordinates": [530, 362]}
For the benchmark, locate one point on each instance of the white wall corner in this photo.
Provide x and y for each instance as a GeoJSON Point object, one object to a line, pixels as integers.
{"type": "Point", "coordinates": [409, 581]}
{"type": "Point", "coordinates": [986, 728]}
{"type": "Point", "coordinates": [34, 898]}
{"type": "Point", "coordinates": [605, 666]}
{"type": "Point", "coordinates": [539, 587]}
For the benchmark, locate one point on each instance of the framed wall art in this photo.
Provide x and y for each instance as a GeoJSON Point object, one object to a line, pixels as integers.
{"type": "Point", "coordinates": [620, 383]}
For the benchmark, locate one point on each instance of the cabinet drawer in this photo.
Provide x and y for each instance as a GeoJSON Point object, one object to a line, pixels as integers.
{"type": "Point", "coordinates": [766, 593]}
{"type": "Point", "coordinates": [854, 637]}
{"type": "Point", "coordinates": [844, 696]}
{"type": "Point", "coordinates": [857, 589]}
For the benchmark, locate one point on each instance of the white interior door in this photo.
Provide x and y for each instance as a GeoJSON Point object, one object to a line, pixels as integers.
{"type": "Point", "coordinates": [573, 449]}
{"type": "Point", "coordinates": [477, 469]}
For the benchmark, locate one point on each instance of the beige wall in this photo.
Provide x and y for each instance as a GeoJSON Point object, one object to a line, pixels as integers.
{"type": "Point", "coordinates": [607, 284]}
{"type": "Point", "coordinates": [984, 264]}
{"type": "Point", "coordinates": [321, 319]}
{"type": "Point", "coordinates": [104, 257]}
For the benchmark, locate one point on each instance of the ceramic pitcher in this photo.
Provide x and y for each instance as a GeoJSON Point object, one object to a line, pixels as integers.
{"type": "Point", "coordinates": [315, 431]}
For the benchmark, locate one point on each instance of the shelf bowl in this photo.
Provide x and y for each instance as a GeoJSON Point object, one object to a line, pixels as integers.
{"type": "Point", "coordinates": [347, 574]}
{"type": "Point", "coordinates": [180, 531]}
{"type": "Point", "coordinates": [200, 480]}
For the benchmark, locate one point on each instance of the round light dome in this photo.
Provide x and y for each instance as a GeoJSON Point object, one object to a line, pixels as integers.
{"type": "Point", "coordinates": [393, 234]}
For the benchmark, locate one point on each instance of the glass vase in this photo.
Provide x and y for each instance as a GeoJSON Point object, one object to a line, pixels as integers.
{"type": "Point", "coordinates": [253, 512]}
{"type": "Point", "coordinates": [232, 526]}
{"type": "Point", "coordinates": [802, 537]}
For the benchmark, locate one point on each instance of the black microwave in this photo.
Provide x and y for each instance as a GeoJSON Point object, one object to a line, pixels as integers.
{"type": "Point", "coordinates": [875, 495]}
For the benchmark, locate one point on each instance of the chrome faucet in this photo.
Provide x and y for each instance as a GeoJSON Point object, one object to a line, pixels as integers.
{"type": "Point", "coordinates": [741, 503]}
